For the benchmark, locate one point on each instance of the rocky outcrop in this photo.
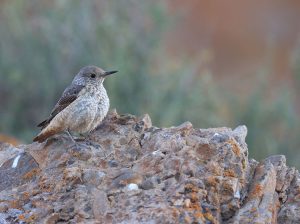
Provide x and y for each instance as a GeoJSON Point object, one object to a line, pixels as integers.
{"type": "Point", "coordinates": [129, 171]}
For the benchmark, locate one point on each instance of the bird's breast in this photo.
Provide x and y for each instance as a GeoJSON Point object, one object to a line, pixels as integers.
{"type": "Point", "coordinates": [102, 108]}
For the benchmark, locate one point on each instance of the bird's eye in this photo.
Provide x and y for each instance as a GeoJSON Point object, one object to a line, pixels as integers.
{"type": "Point", "coordinates": [93, 76]}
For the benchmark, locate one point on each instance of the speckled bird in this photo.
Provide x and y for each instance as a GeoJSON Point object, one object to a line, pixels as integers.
{"type": "Point", "coordinates": [82, 106]}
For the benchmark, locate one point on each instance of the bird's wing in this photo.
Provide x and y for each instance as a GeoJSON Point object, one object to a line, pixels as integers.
{"type": "Point", "coordinates": [69, 95]}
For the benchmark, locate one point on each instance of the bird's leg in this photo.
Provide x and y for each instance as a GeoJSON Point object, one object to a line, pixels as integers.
{"type": "Point", "coordinates": [73, 140]}
{"type": "Point", "coordinates": [76, 145]}
{"type": "Point", "coordinates": [84, 136]}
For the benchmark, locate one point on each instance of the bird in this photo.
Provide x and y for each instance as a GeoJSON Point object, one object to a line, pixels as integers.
{"type": "Point", "coordinates": [82, 106]}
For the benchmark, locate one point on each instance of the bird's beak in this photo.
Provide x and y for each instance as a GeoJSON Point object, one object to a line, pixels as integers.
{"type": "Point", "coordinates": [109, 73]}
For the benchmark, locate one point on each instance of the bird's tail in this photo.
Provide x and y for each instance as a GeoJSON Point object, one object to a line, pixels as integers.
{"type": "Point", "coordinates": [44, 135]}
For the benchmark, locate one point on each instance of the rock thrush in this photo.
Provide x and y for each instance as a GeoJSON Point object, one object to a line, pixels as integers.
{"type": "Point", "coordinates": [82, 106]}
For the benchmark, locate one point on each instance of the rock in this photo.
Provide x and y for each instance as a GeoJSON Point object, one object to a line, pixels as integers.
{"type": "Point", "coordinates": [132, 187]}
{"type": "Point", "coordinates": [100, 203]}
{"type": "Point", "coordinates": [262, 202]}
{"type": "Point", "coordinates": [93, 176]}
{"type": "Point", "coordinates": [290, 211]}
{"type": "Point", "coordinates": [150, 183]}
{"type": "Point", "coordinates": [125, 178]}
{"type": "Point", "coordinates": [17, 171]}
{"type": "Point", "coordinates": [7, 151]}
{"type": "Point", "coordinates": [52, 219]}
{"type": "Point", "coordinates": [129, 171]}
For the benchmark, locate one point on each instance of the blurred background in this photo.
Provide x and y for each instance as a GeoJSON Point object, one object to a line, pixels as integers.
{"type": "Point", "coordinates": [214, 63]}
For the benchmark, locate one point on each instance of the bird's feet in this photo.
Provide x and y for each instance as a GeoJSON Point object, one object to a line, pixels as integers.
{"type": "Point", "coordinates": [84, 137]}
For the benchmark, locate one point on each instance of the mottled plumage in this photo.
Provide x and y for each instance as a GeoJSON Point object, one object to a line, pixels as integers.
{"type": "Point", "coordinates": [82, 106]}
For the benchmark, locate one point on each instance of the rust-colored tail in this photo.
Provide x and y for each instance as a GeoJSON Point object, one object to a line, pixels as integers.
{"type": "Point", "coordinates": [44, 135]}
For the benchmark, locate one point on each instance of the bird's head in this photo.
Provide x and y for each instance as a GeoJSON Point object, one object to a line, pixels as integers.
{"type": "Point", "coordinates": [92, 75]}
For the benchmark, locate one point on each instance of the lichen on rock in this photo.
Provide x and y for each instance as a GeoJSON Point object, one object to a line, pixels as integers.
{"type": "Point", "coordinates": [129, 171]}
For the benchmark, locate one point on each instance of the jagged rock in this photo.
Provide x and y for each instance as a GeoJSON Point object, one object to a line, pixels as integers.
{"type": "Point", "coordinates": [128, 171]}
{"type": "Point", "coordinates": [18, 170]}
{"type": "Point", "coordinates": [7, 151]}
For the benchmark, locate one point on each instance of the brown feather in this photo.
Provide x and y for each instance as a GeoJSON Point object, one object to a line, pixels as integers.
{"type": "Point", "coordinates": [43, 136]}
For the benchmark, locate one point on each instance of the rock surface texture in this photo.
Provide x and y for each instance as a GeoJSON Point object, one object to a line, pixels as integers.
{"type": "Point", "coordinates": [128, 171]}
